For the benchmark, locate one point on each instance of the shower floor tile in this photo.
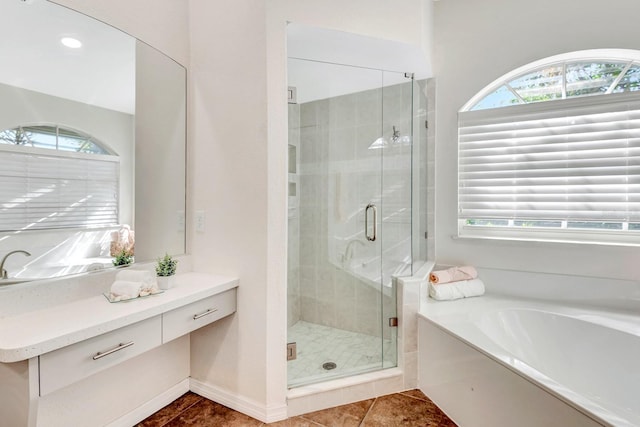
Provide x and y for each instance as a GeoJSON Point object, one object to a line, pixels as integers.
{"type": "Point", "coordinates": [350, 351]}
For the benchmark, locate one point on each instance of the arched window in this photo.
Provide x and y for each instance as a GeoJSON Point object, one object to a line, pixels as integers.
{"type": "Point", "coordinates": [568, 79]}
{"type": "Point", "coordinates": [53, 138]}
{"type": "Point", "coordinates": [54, 177]}
{"type": "Point", "coordinates": [551, 151]}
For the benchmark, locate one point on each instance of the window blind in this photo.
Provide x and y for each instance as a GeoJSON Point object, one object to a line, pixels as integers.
{"type": "Point", "coordinates": [42, 190]}
{"type": "Point", "coordinates": [566, 160]}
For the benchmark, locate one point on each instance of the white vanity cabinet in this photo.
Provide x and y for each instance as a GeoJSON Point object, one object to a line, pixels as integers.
{"type": "Point", "coordinates": [183, 320]}
{"type": "Point", "coordinates": [43, 352]}
{"type": "Point", "coordinates": [70, 364]}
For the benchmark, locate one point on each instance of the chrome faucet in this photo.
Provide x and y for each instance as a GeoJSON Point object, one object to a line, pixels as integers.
{"type": "Point", "coordinates": [4, 272]}
{"type": "Point", "coordinates": [348, 250]}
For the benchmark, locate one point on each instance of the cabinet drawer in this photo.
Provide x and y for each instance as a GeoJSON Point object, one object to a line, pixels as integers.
{"type": "Point", "coordinates": [69, 364]}
{"type": "Point", "coordinates": [183, 320]}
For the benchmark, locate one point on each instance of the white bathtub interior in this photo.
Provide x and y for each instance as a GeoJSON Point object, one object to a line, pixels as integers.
{"type": "Point", "coordinates": [56, 253]}
{"type": "Point", "coordinates": [575, 338]}
{"type": "Point", "coordinates": [595, 353]}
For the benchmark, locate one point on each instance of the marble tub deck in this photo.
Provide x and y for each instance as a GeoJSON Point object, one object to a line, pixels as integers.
{"type": "Point", "coordinates": [410, 408]}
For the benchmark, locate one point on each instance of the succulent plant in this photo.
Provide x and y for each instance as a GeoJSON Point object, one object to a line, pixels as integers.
{"type": "Point", "coordinates": [123, 258]}
{"type": "Point", "coordinates": [166, 266]}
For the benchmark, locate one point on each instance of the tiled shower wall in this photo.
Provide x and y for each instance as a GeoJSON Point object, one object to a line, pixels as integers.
{"type": "Point", "coordinates": [293, 253]}
{"type": "Point", "coordinates": [328, 209]}
{"type": "Point", "coordinates": [335, 129]}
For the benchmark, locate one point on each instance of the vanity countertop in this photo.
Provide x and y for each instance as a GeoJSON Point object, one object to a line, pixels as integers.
{"type": "Point", "coordinates": [31, 334]}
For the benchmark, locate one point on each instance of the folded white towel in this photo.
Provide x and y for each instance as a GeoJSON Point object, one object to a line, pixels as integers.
{"type": "Point", "coordinates": [456, 290]}
{"type": "Point", "coordinates": [149, 289]}
{"type": "Point", "coordinates": [123, 289]}
{"type": "Point", "coordinates": [145, 277]}
{"type": "Point", "coordinates": [136, 275]}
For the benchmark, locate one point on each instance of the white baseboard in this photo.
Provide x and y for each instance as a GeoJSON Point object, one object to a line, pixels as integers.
{"type": "Point", "coordinates": [266, 414]}
{"type": "Point", "coordinates": [152, 406]}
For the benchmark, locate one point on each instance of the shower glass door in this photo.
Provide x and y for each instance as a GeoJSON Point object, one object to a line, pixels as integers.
{"type": "Point", "coordinates": [346, 138]}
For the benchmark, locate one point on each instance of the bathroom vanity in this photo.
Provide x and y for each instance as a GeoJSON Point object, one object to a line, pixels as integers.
{"type": "Point", "coordinates": [48, 349]}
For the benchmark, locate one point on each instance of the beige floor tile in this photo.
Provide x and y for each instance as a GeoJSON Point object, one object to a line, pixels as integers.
{"type": "Point", "coordinates": [341, 416]}
{"type": "Point", "coordinates": [402, 410]}
{"type": "Point", "coordinates": [210, 414]}
{"type": "Point", "coordinates": [294, 422]}
{"type": "Point", "coordinates": [416, 394]}
{"type": "Point", "coordinates": [171, 411]}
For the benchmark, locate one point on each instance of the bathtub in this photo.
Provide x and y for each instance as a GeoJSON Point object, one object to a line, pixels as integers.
{"type": "Point", "coordinates": [503, 361]}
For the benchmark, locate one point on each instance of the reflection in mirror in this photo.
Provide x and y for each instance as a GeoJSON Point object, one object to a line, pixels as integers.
{"type": "Point", "coordinates": [92, 129]}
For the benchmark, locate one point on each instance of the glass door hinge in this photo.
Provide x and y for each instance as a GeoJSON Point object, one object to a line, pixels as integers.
{"type": "Point", "coordinates": [292, 352]}
{"type": "Point", "coordinates": [292, 95]}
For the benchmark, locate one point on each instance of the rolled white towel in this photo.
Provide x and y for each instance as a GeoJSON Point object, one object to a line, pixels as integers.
{"type": "Point", "coordinates": [453, 274]}
{"type": "Point", "coordinates": [145, 277]}
{"type": "Point", "coordinates": [456, 290]}
{"type": "Point", "coordinates": [124, 289]}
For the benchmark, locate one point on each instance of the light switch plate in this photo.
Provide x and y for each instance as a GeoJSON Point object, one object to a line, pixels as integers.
{"type": "Point", "coordinates": [200, 221]}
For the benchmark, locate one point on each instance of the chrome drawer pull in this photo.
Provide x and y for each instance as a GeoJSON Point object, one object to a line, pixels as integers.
{"type": "Point", "coordinates": [206, 313]}
{"type": "Point", "coordinates": [100, 355]}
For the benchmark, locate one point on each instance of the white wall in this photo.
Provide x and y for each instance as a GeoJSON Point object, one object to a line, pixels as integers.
{"type": "Point", "coordinates": [239, 172]}
{"type": "Point", "coordinates": [228, 180]}
{"type": "Point", "coordinates": [477, 42]}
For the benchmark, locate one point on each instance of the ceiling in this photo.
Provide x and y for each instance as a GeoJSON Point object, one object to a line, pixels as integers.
{"type": "Point", "coordinates": [365, 62]}
{"type": "Point", "coordinates": [100, 73]}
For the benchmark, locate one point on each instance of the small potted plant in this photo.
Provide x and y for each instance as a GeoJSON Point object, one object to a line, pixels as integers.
{"type": "Point", "coordinates": [165, 270]}
{"type": "Point", "coordinates": [123, 258]}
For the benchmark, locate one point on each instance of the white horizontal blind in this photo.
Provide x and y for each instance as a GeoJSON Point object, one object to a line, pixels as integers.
{"type": "Point", "coordinates": [42, 190]}
{"type": "Point", "coordinates": [566, 160]}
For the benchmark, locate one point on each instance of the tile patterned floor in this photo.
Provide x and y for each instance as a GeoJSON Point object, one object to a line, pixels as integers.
{"type": "Point", "coordinates": [406, 409]}
{"type": "Point", "coordinates": [350, 351]}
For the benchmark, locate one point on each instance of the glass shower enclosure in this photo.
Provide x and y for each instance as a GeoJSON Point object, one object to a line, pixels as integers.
{"type": "Point", "coordinates": [349, 227]}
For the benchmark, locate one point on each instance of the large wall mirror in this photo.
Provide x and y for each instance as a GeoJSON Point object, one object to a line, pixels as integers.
{"type": "Point", "coordinates": [92, 144]}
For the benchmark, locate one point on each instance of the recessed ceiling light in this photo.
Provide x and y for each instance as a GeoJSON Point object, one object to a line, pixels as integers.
{"type": "Point", "coordinates": [70, 42]}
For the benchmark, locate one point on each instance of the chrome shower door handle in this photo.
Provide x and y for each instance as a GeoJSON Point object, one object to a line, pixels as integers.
{"type": "Point", "coordinates": [371, 238]}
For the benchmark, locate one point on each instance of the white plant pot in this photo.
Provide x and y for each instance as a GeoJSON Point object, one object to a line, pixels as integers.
{"type": "Point", "coordinates": [165, 282]}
